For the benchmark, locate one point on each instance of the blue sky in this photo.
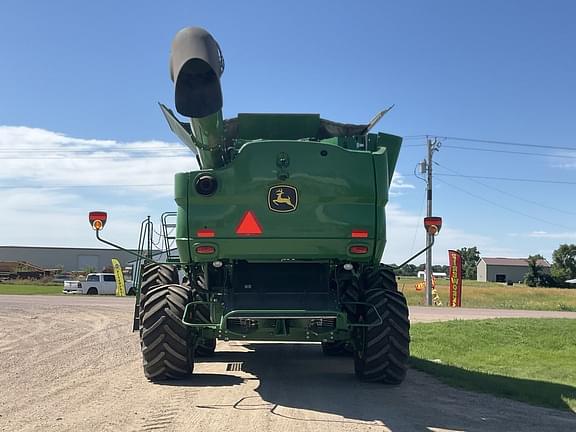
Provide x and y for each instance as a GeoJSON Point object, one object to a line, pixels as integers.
{"type": "Point", "coordinates": [80, 82]}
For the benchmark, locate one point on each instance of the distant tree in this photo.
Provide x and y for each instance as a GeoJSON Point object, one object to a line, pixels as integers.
{"type": "Point", "coordinates": [564, 263]}
{"type": "Point", "coordinates": [440, 269]}
{"type": "Point", "coordinates": [536, 276]}
{"type": "Point", "coordinates": [470, 257]}
{"type": "Point", "coordinates": [407, 270]}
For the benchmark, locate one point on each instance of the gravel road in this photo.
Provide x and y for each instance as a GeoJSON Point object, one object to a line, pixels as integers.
{"type": "Point", "coordinates": [72, 364]}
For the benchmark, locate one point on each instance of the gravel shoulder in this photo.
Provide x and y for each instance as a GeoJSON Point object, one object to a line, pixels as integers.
{"type": "Point", "coordinates": [72, 363]}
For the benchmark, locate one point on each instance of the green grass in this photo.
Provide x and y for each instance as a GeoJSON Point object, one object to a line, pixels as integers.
{"type": "Point", "coordinates": [530, 360]}
{"type": "Point", "coordinates": [496, 296]}
{"type": "Point", "coordinates": [19, 288]}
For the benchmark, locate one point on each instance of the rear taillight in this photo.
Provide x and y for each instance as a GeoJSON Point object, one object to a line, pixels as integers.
{"type": "Point", "coordinates": [359, 234]}
{"type": "Point", "coordinates": [205, 250]}
{"type": "Point", "coordinates": [358, 250]}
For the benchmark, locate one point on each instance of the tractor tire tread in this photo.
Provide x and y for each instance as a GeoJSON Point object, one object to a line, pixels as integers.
{"type": "Point", "coordinates": [165, 340]}
{"type": "Point", "coordinates": [385, 351]}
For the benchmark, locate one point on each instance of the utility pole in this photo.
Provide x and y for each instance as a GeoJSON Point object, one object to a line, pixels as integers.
{"type": "Point", "coordinates": [433, 145]}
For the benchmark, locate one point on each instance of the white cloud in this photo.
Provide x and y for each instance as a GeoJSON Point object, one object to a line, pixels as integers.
{"type": "Point", "coordinates": [406, 236]}
{"type": "Point", "coordinates": [398, 184]}
{"type": "Point", "coordinates": [40, 158]}
{"type": "Point", "coordinates": [556, 235]}
{"type": "Point", "coordinates": [569, 161]}
{"type": "Point", "coordinates": [49, 182]}
{"type": "Point", "coordinates": [45, 199]}
{"type": "Point", "coordinates": [540, 234]}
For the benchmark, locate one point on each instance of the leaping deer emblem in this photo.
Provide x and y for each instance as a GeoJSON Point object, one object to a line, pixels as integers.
{"type": "Point", "coordinates": [281, 199]}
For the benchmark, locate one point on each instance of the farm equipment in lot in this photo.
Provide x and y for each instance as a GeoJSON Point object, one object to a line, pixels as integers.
{"type": "Point", "coordinates": [279, 234]}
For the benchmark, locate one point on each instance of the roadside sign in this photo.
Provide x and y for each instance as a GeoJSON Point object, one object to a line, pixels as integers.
{"type": "Point", "coordinates": [120, 287]}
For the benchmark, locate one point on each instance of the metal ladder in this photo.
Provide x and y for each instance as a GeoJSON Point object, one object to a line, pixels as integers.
{"type": "Point", "coordinates": [169, 234]}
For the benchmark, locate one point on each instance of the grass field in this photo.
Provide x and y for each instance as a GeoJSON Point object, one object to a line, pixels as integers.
{"type": "Point", "coordinates": [531, 360]}
{"type": "Point", "coordinates": [497, 296]}
{"type": "Point", "coordinates": [19, 288]}
{"type": "Point", "coordinates": [474, 294]}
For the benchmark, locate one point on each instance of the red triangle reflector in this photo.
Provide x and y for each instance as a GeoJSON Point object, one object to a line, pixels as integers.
{"type": "Point", "coordinates": [249, 225]}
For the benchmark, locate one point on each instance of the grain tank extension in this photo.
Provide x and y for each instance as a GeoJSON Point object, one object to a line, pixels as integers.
{"type": "Point", "coordinates": [279, 233]}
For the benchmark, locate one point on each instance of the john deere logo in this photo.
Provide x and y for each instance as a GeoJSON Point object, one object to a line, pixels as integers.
{"type": "Point", "coordinates": [283, 198]}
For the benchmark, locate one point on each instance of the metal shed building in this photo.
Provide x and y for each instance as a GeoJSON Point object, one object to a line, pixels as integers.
{"type": "Point", "coordinates": [70, 259]}
{"type": "Point", "coordinates": [505, 269]}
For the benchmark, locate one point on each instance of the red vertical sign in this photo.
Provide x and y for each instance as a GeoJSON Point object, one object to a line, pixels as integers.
{"type": "Point", "coordinates": [455, 278]}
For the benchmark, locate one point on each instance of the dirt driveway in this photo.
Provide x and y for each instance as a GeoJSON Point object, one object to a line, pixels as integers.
{"type": "Point", "coordinates": [72, 364]}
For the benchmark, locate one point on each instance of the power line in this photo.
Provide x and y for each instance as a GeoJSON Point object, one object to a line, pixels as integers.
{"type": "Point", "coordinates": [503, 207]}
{"type": "Point", "coordinates": [509, 143]}
{"type": "Point", "coordinates": [62, 151]}
{"type": "Point", "coordinates": [412, 137]}
{"type": "Point", "coordinates": [92, 150]}
{"type": "Point", "coordinates": [126, 157]}
{"type": "Point", "coordinates": [524, 180]}
{"type": "Point", "coordinates": [84, 186]}
{"type": "Point", "coordinates": [485, 141]}
{"type": "Point", "coordinates": [539, 204]}
{"type": "Point", "coordinates": [511, 152]}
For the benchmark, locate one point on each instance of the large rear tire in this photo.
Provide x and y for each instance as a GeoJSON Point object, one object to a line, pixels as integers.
{"type": "Point", "coordinates": [157, 274]}
{"type": "Point", "coordinates": [383, 348]}
{"type": "Point", "coordinates": [206, 347]}
{"type": "Point", "coordinates": [165, 341]}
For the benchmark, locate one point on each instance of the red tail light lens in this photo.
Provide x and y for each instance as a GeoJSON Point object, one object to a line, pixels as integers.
{"type": "Point", "coordinates": [97, 219]}
{"type": "Point", "coordinates": [205, 250]}
{"type": "Point", "coordinates": [359, 234]}
{"type": "Point", "coordinates": [358, 250]}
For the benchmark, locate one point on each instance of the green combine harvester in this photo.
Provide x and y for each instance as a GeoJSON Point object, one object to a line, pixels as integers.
{"type": "Point", "coordinates": [279, 234]}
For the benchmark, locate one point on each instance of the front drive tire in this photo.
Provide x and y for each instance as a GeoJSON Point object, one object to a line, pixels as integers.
{"type": "Point", "coordinates": [383, 349]}
{"type": "Point", "coordinates": [166, 342]}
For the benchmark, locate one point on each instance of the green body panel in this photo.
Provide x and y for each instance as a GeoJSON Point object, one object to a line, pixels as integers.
{"type": "Point", "coordinates": [339, 190]}
{"type": "Point", "coordinates": [277, 126]}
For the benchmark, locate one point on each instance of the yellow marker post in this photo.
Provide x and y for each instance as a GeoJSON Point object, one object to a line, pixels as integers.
{"type": "Point", "coordinates": [120, 287]}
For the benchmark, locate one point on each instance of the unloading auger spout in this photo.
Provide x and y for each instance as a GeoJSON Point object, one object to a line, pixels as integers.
{"type": "Point", "coordinates": [196, 65]}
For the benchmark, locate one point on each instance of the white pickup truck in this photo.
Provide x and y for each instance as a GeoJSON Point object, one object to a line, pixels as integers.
{"type": "Point", "coordinates": [96, 283]}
